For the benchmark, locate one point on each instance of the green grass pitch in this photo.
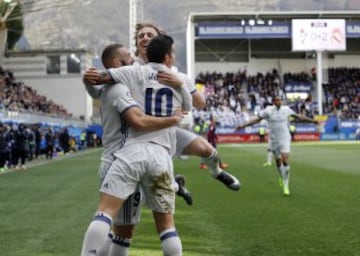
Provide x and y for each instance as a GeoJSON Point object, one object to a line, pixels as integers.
{"type": "Point", "coordinates": [45, 210]}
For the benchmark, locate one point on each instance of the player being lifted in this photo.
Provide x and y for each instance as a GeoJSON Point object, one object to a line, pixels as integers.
{"type": "Point", "coordinates": [188, 143]}
{"type": "Point", "coordinates": [277, 116]}
{"type": "Point", "coordinates": [112, 98]}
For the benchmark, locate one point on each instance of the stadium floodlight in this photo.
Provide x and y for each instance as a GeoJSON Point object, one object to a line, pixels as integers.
{"type": "Point", "coordinates": [252, 22]}
{"type": "Point", "coordinates": [260, 22]}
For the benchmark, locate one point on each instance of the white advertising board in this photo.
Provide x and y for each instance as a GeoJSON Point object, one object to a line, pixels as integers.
{"type": "Point", "coordinates": [318, 35]}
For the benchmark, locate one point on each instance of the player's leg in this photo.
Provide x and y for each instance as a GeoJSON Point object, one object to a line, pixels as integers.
{"type": "Point", "coordinates": [269, 154]}
{"type": "Point", "coordinates": [124, 225]}
{"type": "Point", "coordinates": [121, 238]}
{"type": "Point", "coordinates": [98, 230]}
{"type": "Point", "coordinates": [275, 147]}
{"type": "Point", "coordinates": [191, 144]}
{"type": "Point", "coordinates": [115, 189]}
{"type": "Point", "coordinates": [285, 151]}
{"type": "Point", "coordinates": [170, 240]}
{"type": "Point", "coordinates": [160, 198]}
{"type": "Point", "coordinates": [200, 147]}
{"type": "Point", "coordinates": [181, 190]}
{"type": "Point", "coordinates": [186, 123]}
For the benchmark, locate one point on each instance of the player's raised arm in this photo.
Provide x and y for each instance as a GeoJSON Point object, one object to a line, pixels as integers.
{"type": "Point", "coordinates": [306, 119]}
{"type": "Point", "coordinates": [251, 122]}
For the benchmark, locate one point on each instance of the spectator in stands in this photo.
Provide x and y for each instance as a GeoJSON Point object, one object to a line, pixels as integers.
{"type": "Point", "coordinates": [16, 96]}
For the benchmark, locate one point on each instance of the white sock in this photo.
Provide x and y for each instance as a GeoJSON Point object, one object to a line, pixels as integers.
{"type": "Point", "coordinates": [120, 246]}
{"type": "Point", "coordinates": [269, 157]}
{"type": "Point", "coordinates": [170, 243]}
{"type": "Point", "coordinates": [175, 186]}
{"type": "Point", "coordinates": [213, 162]}
{"type": "Point", "coordinates": [105, 249]}
{"type": "Point", "coordinates": [286, 175]}
{"type": "Point", "coordinates": [279, 168]}
{"type": "Point", "coordinates": [96, 234]}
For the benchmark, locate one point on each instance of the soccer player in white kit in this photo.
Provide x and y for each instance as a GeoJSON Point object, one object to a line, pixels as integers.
{"type": "Point", "coordinates": [145, 158]}
{"type": "Point", "coordinates": [188, 143]}
{"type": "Point", "coordinates": [112, 98]}
{"type": "Point", "coordinates": [277, 116]}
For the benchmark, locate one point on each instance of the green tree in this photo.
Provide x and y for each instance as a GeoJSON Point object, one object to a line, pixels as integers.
{"type": "Point", "coordinates": [12, 20]}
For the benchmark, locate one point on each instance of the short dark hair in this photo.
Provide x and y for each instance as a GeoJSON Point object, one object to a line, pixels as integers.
{"type": "Point", "coordinates": [158, 47]}
{"type": "Point", "coordinates": [109, 53]}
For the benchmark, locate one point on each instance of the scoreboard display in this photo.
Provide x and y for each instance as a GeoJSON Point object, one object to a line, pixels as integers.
{"type": "Point", "coordinates": [318, 35]}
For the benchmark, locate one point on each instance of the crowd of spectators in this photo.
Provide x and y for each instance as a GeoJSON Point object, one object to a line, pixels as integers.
{"type": "Point", "coordinates": [16, 96]}
{"type": "Point", "coordinates": [229, 94]}
{"type": "Point", "coordinates": [342, 92]}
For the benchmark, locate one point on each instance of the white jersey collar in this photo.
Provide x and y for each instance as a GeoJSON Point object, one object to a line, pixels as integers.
{"type": "Point", "coordinates": [159, 67]}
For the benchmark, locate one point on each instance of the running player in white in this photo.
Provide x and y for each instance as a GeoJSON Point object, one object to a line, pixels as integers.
{"type": "Point", "coordinates": [277, 116]}
{"type": "Point", "coordinates": [145, 158]}
{"type": "Point", "coordinates": [112, 97]}
{"type": "Point", "coordinates": [188, 143]}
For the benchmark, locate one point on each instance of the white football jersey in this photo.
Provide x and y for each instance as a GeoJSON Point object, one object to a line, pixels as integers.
{"type": "Point", "coordinates": [278, 120]}
{"type": "Point", "coordinates": [115, 100]}
{"type": "Point", "coordinates": [156, 99]}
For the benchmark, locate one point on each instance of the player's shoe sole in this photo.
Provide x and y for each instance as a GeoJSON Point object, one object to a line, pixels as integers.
{"type": "Point", "coordinates": [183, 192]}
{"type": "Point", "coordinates": [228, 180]}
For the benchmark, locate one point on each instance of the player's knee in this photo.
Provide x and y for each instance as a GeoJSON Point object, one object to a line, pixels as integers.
{"type": "Point", "coordinates": [199, 147]}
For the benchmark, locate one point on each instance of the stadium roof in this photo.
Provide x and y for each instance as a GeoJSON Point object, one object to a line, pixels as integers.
{"type": "Point", "coordinates": [216, 16]}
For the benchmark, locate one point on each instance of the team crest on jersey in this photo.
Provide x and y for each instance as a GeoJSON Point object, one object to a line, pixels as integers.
{"type": "Point", "coordinates": [129, 94]}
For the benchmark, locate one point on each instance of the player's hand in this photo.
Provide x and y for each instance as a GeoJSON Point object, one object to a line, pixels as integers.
{"type": "Point", "coordinates": [169, 79]}
{"type": "Point", "coordinates": [179, 114]}
{"type": "Point", "coordinates": [91, 76]}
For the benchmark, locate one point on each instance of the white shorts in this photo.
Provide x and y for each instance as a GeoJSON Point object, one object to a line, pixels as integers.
{"type": "Point", "coordinates": [149, 165]}
{"type": "Point", "coordinates": [278, 147]}
{"type": "Point", "coordinates": [187, 122]}
{"type": "Point", "coordinates": [183, 139]}
{"type": "Point", "coordinates": [130, 213]}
